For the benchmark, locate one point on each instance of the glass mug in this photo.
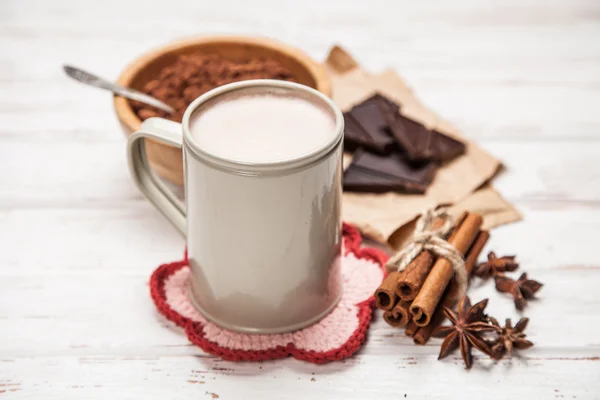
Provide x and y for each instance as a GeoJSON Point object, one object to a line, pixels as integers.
{"type": "Point", "coordinates": [263, 238]}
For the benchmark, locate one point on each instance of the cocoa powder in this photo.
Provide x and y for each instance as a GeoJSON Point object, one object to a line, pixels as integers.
{"type": "Point", "coordinates": [192, 75]}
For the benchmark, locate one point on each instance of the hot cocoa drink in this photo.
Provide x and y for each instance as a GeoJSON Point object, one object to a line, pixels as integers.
{"type": "Point", "coordinates": [260, 126]}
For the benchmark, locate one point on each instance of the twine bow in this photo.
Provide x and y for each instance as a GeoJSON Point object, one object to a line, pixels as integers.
{"type": "Point", "coordinates": [427, 238]}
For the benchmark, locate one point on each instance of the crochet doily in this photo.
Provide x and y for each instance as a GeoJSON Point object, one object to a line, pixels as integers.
{"type": "Point", "coordinates": [337, 336]}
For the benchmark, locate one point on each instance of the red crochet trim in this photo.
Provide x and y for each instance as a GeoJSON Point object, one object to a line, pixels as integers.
{"type": "Point", "coordinates": [194, 330]}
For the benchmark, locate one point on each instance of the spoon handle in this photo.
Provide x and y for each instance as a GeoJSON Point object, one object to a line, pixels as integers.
{"type": "Point", "coordinates": [93, 80]}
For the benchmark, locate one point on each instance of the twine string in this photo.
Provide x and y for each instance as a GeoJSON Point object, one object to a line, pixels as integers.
{"type": "Point", "coordinates": [427, 238]}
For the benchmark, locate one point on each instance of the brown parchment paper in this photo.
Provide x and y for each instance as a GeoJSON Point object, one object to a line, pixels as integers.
{"type": "Point", "coordinates": [389, 217]}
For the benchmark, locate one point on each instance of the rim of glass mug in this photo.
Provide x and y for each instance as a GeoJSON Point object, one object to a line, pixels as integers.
{"type": "Point", "coordinates": [259, 168]}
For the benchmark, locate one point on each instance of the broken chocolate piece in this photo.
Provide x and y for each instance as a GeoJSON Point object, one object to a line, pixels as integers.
{"type": "Point", "coordinates": [356, 137]}
{"type": "Point", "coordinates": [384, 102]}
{"type": "Point", "coordinates": [412, 136]}
{"type": "Point", "coordinates": [376, 173]}
{"type": "Point", "coordinates": [367, 125]}
{"type": "Point", "coordinates": [420, 143]}
{"type": "Point", "coordinates": [446, 147]}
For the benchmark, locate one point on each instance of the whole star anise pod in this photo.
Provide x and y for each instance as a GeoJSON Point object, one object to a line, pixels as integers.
{"type": "Point", "coordinates": [509, 337]}
{"type": "Point", "coordinates": [496, 266]}
{"type": "Point", "coordinates": [521, 289]}
{"type": "Point", "coordinates": [465, 331]}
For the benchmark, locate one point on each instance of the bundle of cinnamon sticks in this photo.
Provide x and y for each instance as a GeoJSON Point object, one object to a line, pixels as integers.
{"type": "Point", "coordinates": [415, 297]}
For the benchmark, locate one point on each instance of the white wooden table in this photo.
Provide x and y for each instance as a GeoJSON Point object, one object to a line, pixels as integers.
{"type": "Point", "coordinates": [78, 242]}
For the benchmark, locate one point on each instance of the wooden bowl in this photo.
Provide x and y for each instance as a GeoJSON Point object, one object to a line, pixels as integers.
{"type": "Point", "coordinates": [167, 160]}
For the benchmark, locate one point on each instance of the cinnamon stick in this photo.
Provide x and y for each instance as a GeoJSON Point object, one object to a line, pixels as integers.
{"type": "Point", "coordinates": [470, 262]}
{"type": "Point", "coordinates": [385, 295]}
{"type": "Point", "coordinates": [458, 222]}
{"type": "Point", "coordinates": [450, 297]}
{"type": "Point", "coordinates": [399, 315]}
{"type": "Point", "coordinates": [411, 328]}
{"type": "Point", "coordinates": [423, 334]}
{"type": "Point", "coordinates": [412, 278]}
{"type": "Point", "coordinates": [442, 272]}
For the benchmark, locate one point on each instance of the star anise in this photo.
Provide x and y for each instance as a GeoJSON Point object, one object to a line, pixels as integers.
{"type": "Point", "coordinates": [509, 337]}
{"type": "Point", "coordinates": [465, 331]}
{"type": "Point", "coordinates": [521, 289]}
{"type": "Point", "coordinates": [496, 266]}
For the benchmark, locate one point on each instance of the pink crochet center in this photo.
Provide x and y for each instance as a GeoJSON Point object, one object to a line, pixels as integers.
{"type": "Point", "coordinates": [336, 336]}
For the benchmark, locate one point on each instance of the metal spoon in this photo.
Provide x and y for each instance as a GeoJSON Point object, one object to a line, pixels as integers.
{"type": "Point", "coordinates": [87, 78]}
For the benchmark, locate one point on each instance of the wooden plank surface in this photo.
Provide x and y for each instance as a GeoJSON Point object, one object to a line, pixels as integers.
{"type": "Point", "coordinates": [522, 78]}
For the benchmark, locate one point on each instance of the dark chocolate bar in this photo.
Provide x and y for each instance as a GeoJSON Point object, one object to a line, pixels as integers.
{"type": "Point", "coordinates": [366, 125]}
{"type": "Point", "coordinates": [412, 136]}
{"type": "Point", "coordinates": [356, 137]}
{"type": "Point", "coordinates": [370, 172]}
{"type": "Point", "coordinates": [420, 143]}
{"type": "Point", "coordinates": [446, 147]}
{"type": "Point", "coordinates": [384, 102]}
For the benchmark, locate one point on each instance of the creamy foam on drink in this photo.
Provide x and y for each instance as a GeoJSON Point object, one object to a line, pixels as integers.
{"type": "Point", "coordinates": [262, 126]}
